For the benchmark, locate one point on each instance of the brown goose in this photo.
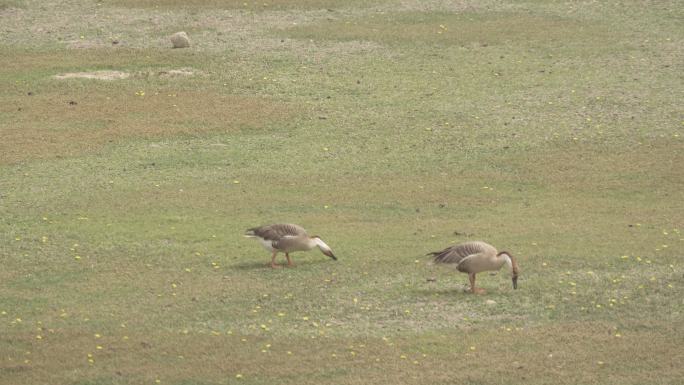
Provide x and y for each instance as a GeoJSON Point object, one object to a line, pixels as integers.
{"type": "Point", "coordinates": [287, 238]}
{"type": "Point", "coordinates": [475, 257]}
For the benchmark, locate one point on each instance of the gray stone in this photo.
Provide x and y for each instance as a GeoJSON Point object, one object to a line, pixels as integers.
{"type": "Point", "coordinates": [180, 40]}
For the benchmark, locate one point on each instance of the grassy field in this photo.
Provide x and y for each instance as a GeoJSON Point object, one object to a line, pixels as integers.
{"type": "Point", "coordinates": [550, 129]}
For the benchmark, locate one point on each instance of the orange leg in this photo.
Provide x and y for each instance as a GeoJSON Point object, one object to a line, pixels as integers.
{"type": "Point", "coordinates": [273, 265]}
{"type": "Point", "coordinates": [473, 289]}
{"type": "Point", "coordinates": [289, 261]}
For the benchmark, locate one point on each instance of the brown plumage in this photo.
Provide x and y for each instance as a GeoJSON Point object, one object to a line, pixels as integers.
{"type": "Point", "coordinates": [475, 257]}
{"type": "Point", "coordinates": [287, 238]}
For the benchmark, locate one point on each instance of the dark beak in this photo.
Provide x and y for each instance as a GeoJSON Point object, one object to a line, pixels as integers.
{"type": "Point", "coordinates": [515, 281]}
{"type": "Point", "coordinates": [330, 254]}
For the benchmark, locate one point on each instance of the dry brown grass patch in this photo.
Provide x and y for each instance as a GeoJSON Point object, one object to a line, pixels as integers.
{"type": "Point", "coordinates": [453, 28]}
{"type": "Point", "coordinates": [565, 353]}
{"type": "Point", "coordinates": [231, 4]}
{"type": "Point", "coordinates": [53, 124]}
{"type": "Point", "coordinates": [590, 166]}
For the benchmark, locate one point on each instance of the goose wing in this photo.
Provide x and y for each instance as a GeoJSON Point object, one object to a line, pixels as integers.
{"type": "Point", "coordinates": [457, 253]}
{"type": "Point", "coordinates": [277, 231]}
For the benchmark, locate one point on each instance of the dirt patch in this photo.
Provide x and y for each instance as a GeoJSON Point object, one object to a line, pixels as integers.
{"type": "Point", "coordinates": [98, 75]}
{"type": "Point", "coordinates": [85, 44]}
{"type": "Point", "coordinates": [178, 72]}
{"type": "Point", "coordinates": [119, 75]}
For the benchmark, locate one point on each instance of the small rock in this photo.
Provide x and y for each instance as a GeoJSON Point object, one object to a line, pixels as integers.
{"type": "Point", "coordinates": [432, 279]}
{"type": "Point", "coordinates": [180, 40]}
{"type": "Point", "coordinates": [490, 302]}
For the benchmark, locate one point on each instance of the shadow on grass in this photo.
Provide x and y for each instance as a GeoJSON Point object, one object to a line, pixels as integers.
{"type": "Point", "coordinates": [456, 291]}
{"type": "Point", "coordinates": [266, 264]}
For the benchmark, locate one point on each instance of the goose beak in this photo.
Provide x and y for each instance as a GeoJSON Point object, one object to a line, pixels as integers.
{"type": "Point", "coordinates": [330, 254]}
{"type": "Point", "coordinates": [515, 282]}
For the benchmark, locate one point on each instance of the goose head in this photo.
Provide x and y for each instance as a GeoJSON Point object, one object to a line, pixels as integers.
{"type": "Point", "coordinates": [512, 266]}
{"type": "Point", "coordinates": [325, 249]}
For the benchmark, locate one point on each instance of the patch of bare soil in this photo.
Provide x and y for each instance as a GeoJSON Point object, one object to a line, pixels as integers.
{"type": "Point", "coordinates": [98, 75]}
{"type": "Point", "coordinates": [181, 72]}
{"type": "Point", "coordinates": [119, 75]}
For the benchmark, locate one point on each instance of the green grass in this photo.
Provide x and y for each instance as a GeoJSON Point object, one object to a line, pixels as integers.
{"type": "Point", "coordinates": [550, 131]}
{"type": "Point", "coordinates": [4, 4]}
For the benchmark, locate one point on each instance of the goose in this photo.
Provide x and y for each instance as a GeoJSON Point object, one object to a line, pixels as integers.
{"type": "Point", "coordinates": [287, 238]}
{"type": "Point", "coordinates": [474, 257]}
